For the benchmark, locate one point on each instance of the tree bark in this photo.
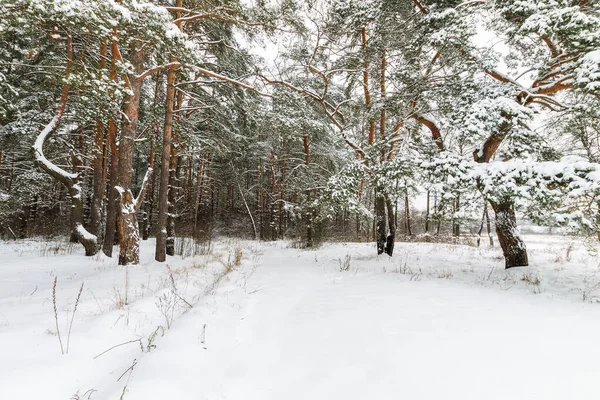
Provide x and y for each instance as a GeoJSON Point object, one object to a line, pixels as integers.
{"type": "Point", "coordinates": [111, 206]}
{"type": "Point", "coordinates": [127, 224]}
{"type": "Point", "coordinates": [308, 214]}
{"type": "Point", "coordinates": [129, 237]}
{"type": "Point", "coordinates": [391, 237]}
{"type": "Point", "coordinates": [99, 164]}
{"type": "Point", "coordinates": [111, 136]}
{"type": "Point", "coordinates": [513, 247]}
{"type": "Point", "coordinates": [427, 212]}
{"type": "Point", "coordinates": [455, 221]}
{"type": "Point", "coordinates": [163, 191]}
{"type": "Point", "coordinates": [171, 198]}
{"type": "Point", "coordinates": [380, 222]}
{"type": "Point", "coordinates": [407, 214]}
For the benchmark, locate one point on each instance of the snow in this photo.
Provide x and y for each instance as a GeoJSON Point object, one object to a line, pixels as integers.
{"type": "Point", "coordinates": [435, 321]}
{"type": "Point", "coordinates": [84, 233]}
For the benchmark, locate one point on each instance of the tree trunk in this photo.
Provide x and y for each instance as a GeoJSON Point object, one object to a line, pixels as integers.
{"type": "Point", "coordinates": [391, 237]}
{"type": "Point", "coordinates": [309, 214]}
{"type": "Point", "coordinates": [455, 221]}
{"type": "Point", "coordinates": [513, 247]}
{"type": "Point", "coordinates": [407, 214]}
{"type": "Point", "coordinates": [99, 164]}
{"type": "Point", "coordinates": [427, 213]}
{"type": "Point", "coordinates": [380, 222]}
{"type": "Point", "coordinates": [129, 237]}
{"type": "Point", "coordinates": [171, 198]}
{"type": "Point", "coordinates": [163, 192]}
{"type": "Point", "coordinates": [309, 222]}
{"type": "Point", "coordinates": [489, 229]}
{"type": "Point", "coordinates": [111, 207]}
{"type": "Point", "coordinates": [128, 229]}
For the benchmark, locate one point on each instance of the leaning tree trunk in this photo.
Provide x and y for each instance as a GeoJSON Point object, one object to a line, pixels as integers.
{"type": "Point", "coordinates": [513, 247]}
{"type": "Point", "coordinates": [391, 237]}
{"type": "Point", "coordinates": [70, 180]}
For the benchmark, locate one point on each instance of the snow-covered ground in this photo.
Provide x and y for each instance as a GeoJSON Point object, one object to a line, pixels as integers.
{"type": "Point", "coordinates": [435, 321]}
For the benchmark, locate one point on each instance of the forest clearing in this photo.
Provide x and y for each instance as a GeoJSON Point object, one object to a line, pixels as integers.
{"type": "Point", "coordinates": [335, 322]}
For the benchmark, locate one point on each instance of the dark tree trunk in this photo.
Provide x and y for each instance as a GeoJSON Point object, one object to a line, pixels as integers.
{"type": "Point", "coordinates": [455, 221]}
{"type": "Point", "coordinates": [98, 181]}
{"type": "Point", "coordinates": [149, 204]}
{"type": "Point", "coordinates": [165, 163]}
{"type": "Point", "coordinates": [173, 183]}
{"type": "Point", "coordinates": [391, 237]}
{"type": "Point", "coordinates": [489, 229]}
{"type": "Point", "coordinates": [513, 247]}
{"type": "Point", "coordinates": [407, 214]}
{"type": "Point", "coordinates": [427, 213]}
{"type": "Point", "coordinates": [99, 164]}
{"type": "Point", "coordinates": [380, 222]}
{"type": "Point", "coordinates": [111, 206]}
{"type": "Point", "coordinates": [309, 223]}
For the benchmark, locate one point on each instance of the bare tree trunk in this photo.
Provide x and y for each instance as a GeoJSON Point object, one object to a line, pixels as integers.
{"type": "Point", "coordinates": [380, 222]}
{"type": "Point", "coordinates": [129, 235]}
{"type": "Point", "coordinates": [407, 214]}
{"type": "Point", "coordinates": [99, 164]}
{"type": "Point", "coordinates": [308, 214]}
{"type": "Point", "coordinates": [391, 237]}
{"type": "Point", "coordinates": [489, 229]}
{"type": "Point", "coordinates": [482, 222]}
{"type": "Point", "coordinates": [171, 198]}
{"type": "Point", "coordinates": [199, 182]}
{"type": "Point", "coordinates": [513, 247]}
{"type": "Point", "coordinates": [455, 221]}
{"type": "Point", "coordinates": [163, 192]}
{"type": "Point", "coordinates": [427, 213]}
{"type": "Point", "coordinates": [111, 207]}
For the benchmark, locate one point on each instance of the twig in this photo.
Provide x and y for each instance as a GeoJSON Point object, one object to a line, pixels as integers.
{"type": "Point", "coordinates": [128, 369]}
{"type": "Point", "coordinates": [13, 233]}
{"type": "Point", "coordinates": [118, 345]}
{"type": "Point", "coordinates": [56, 314]}
{"type": "Point", "coordinates": [490, 274]}
{"type": "Point", "coordinates": [73, 317]}
{"type": "Point", "coordinates": [182, 299]}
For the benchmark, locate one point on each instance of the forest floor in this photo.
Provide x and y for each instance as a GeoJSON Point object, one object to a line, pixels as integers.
{"type": "Point", "coordinates": [257, 321]}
